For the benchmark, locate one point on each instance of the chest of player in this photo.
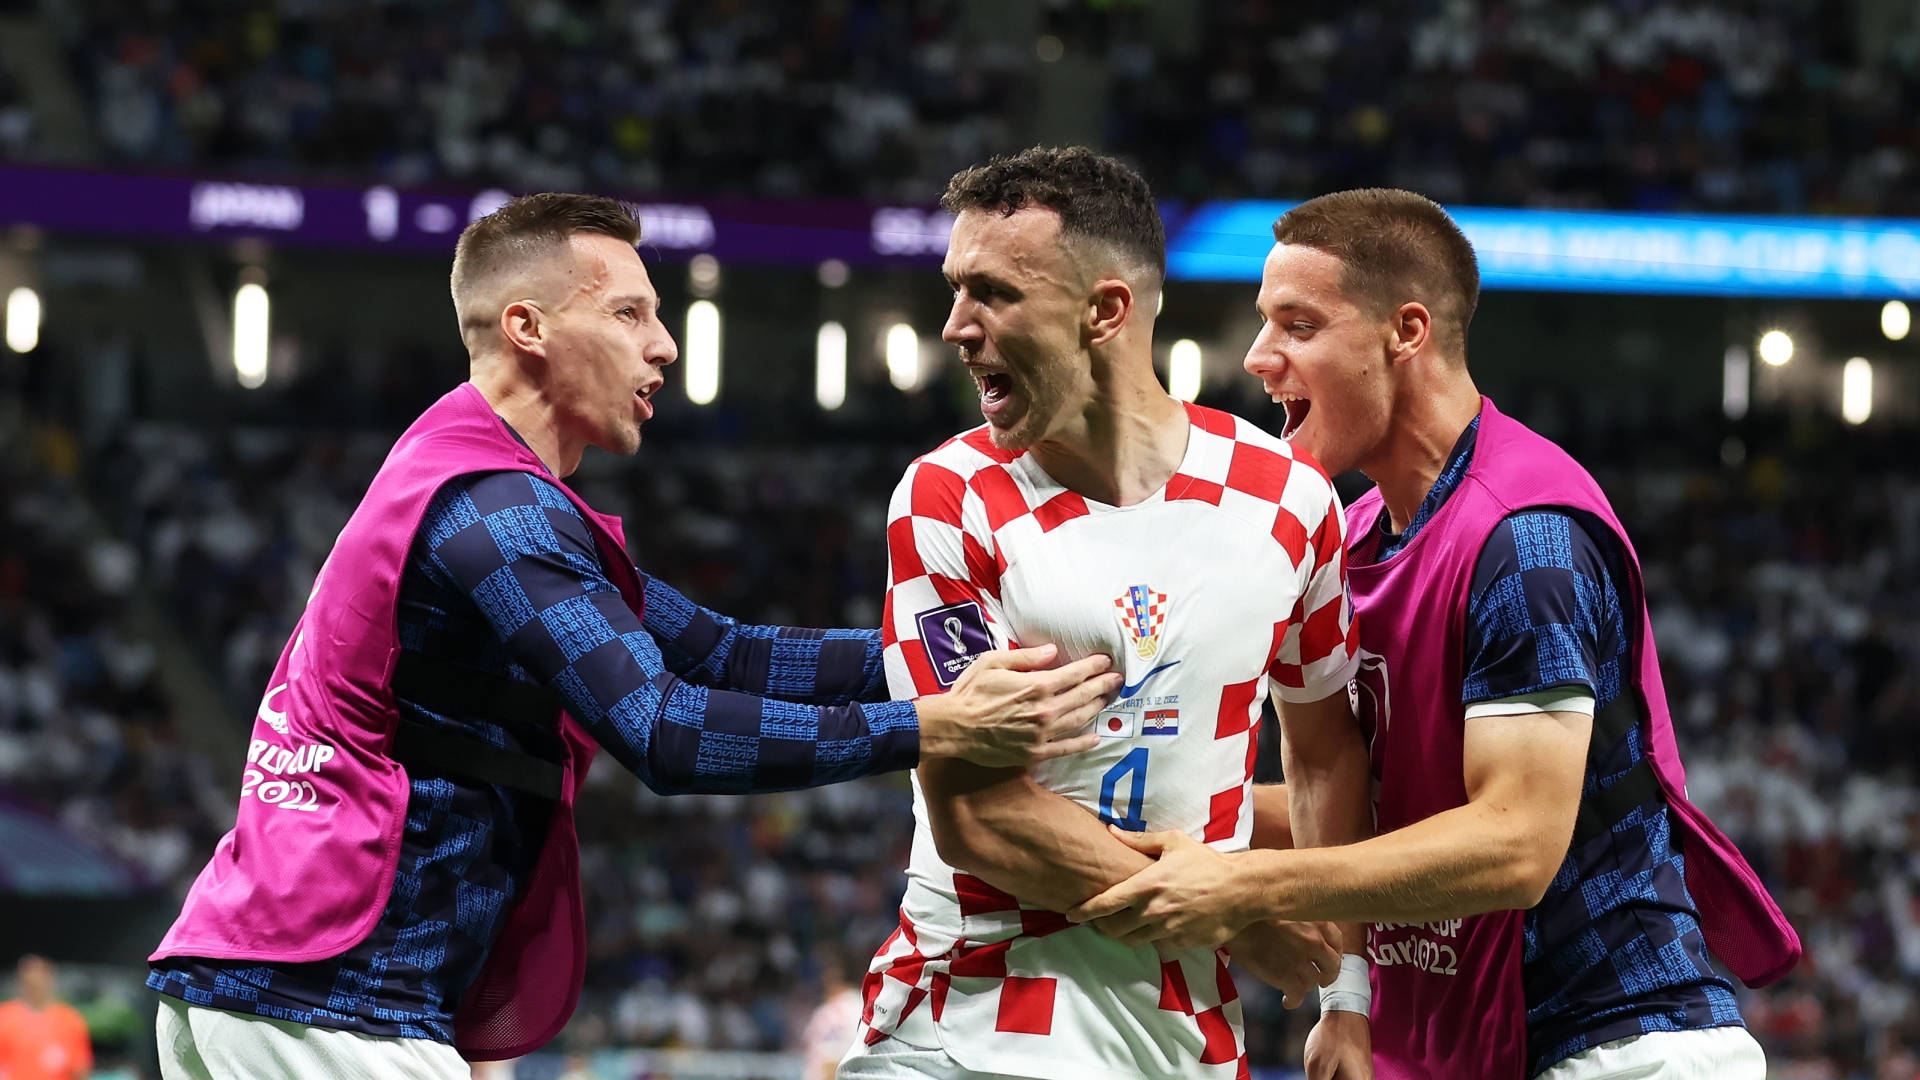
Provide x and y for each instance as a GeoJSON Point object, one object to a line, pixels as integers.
{"type": "Point", "coordinates": [1189, 602]}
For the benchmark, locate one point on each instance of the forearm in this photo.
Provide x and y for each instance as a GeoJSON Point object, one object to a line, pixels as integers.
{"type": "Point", "coordinates": [1465, 861]}
{"type": "Point", "coordinates": [682, 738]}
{"type": "Point", "coordinates": [812, 667]}
{"type": "Point", "coordinates": [1000, 826]}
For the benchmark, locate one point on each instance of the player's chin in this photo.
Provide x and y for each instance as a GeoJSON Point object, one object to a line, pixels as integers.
{"type": "Point", "coordinates": [1013, 429]}
{"type": "Point", "coordinates": [622, 439]}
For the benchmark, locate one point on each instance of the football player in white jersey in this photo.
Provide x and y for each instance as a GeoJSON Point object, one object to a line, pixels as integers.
{"type": "Point", "coordinates": [1097, 514]}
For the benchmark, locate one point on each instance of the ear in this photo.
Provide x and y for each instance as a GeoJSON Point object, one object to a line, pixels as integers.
{"type": "Point", "coordinates": [1412, 331]}
{"type": "Point", "coordinates": [524, 326]}
{"type": "Point", "coordinates": [1109, 310]}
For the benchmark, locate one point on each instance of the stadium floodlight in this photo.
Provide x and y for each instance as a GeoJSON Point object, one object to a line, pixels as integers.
{"type": "Point", "coordinates": [1736, 382]}
{"type": "Point", "coordinates": [1183, 369]}
{"type": "Point", "coordinates": [833, 273]}
{"type": "Point", "coordinates": [830, 365]}
{"type": "Point", "coordinates": [250, 328]}
{"type": "Point", "coordinates": [1776, 347]}
{"type": "Point", "coordinates": [703, 352]}
{"type": "Point", "coordinates": [703, 275]}
{"type": "Point", "coordinates": [1856, 391]}
{"type": "Point", "coordinates": [23, 320]}
{"type": "Point", "coordinates": [1895, 320]}
{"type": "Point", "coordinates": [903, 356]}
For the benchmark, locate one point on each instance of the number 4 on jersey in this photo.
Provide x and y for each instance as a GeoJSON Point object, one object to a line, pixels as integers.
{"type": "Point", "coordinates": [1134, 765]}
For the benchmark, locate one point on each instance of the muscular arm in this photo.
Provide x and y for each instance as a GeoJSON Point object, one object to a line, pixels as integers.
{"type": "Point", "coordinates": [997, 824]}
{"type": "Point", "coordinates": [1497, 852]}
{"type": "Point", "coordinates": [1328, 782]}
{"type": "Point", "coordinates": [812, 667]}
{"type": "Point", "coordinates": [526, 560]}
{"type": "Point", "coordinates": [1002, 827]}
{"type": "Point", "coordinates": [1272, 818]}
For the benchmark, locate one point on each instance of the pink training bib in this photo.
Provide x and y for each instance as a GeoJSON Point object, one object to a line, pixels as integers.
{"type": "Point", "coordinates": [1448, 1000]}
{"type": "Point", "coordinates": [309, 864]}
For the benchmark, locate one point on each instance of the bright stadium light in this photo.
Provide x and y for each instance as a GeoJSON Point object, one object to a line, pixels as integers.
{"type": "Point", "coordinates": [1776, 348]}
{"type": "Point", "coordinates": [703, 275]}
{"type": "Point", "coordinates": [903, 356]}
{"type": "Point", "coordinates": [830, 365]}
{"type": "Point", "coordinates": [1183, 369]}
{"type": "Point", "coordinates": [1736, 381]}
{"type": "Point", "coordinates": [23, 320]}
{"type": "Point", "coordinates": [250, 326]}
{"type": "Point", "coordinates": [1856, 391]}
{"type": "Point", "coordinates": [703, 352]}
{"type": "Point", "coordinates": [1895, 320]}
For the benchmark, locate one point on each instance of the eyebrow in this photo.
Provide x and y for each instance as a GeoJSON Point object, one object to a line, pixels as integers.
{"type": "Point", "coordinates": [1285, 306]}
{"type": "Point", "coordinates": [983, 277]}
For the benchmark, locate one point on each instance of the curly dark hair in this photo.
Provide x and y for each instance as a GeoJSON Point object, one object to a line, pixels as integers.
{"type": "Point", "coordinates": [1098, 198]}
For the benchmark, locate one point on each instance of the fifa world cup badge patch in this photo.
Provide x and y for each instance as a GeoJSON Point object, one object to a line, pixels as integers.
{"type": "Point", "coordinates": [1143, 615]}
{"type": "Point", "coordinates": [954, 636]}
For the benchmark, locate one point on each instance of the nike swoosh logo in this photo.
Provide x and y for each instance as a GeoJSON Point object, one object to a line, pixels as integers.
{"type": "Point", "coordinates": [1130, 690]}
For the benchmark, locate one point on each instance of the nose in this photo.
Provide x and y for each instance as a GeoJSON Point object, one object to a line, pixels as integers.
{"type": "Point", "coordinates": [661, 351]}
{"type": "Point", "coordinates": [1263, 357]}
{"type": "Point", "coordinates": [961, 328]}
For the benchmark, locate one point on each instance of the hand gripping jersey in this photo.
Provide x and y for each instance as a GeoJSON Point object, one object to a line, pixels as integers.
{"type": "Point", "coordinates": [1230, 576]}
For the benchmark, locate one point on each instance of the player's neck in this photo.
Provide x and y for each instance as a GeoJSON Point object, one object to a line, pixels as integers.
{"type": "Point", "coordinates": [1427, 424]}
{"type": "Point", "coordinates": [532, 417]}
{"type": "Point", "coordinates": [1124, 446]}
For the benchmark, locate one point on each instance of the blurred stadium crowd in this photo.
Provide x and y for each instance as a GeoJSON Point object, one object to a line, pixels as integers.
{"type": "Point", "coordinates": [1608, 103]}
{"type": "Point", "coordinates": [1787, 606]}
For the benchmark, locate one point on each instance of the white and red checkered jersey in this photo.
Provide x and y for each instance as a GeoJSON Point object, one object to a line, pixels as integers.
{"type": "Point", "coordinates": [1230, 576]}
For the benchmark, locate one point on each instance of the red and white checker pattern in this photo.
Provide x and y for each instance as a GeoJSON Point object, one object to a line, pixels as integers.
{"type": "Point", "coordinates": [1009, 988]}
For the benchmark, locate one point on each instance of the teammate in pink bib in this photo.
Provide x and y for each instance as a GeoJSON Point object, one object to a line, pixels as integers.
{"type": "Point", "coordinates": [1542, 896]}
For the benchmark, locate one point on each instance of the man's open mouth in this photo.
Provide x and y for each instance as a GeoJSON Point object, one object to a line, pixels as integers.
{"type": "Point", "coordinates": [994, 385]}
{"type": "Point", "coordinates": [1297, 409]}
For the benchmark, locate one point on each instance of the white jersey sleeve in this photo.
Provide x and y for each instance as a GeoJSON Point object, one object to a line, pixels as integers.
{"type": "Point", "coordinates": [1320, 651]}
{"type": "Point", "coordinates": [942, 606]}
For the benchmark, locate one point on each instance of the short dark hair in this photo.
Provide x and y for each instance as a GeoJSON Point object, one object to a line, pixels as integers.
{"type": "Point", "coordinates": [531, 226]}
{"type": "Point", "coordinates": [1395, 246]}
{"type": "Point", "coordinates": [1098, 198]}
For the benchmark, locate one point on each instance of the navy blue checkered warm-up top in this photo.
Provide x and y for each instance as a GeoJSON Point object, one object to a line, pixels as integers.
{"type": "Point", "coordinates": [505, 578]}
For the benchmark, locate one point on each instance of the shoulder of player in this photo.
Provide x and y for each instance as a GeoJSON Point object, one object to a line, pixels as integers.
{"type": "Point", "coordinates": [501, 501]}
{"type": "Point", "coordinates": [1553, 539]}
{"type": "Point", "coordinates": [968, 453]}
{"type": "Point", "coordinates": [935, 483]}
{"type": "Point", "coordinates": [1258, 475]}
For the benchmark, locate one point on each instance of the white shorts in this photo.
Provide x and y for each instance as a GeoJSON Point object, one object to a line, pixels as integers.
{"type": "Point", "coordinates": [1722, 1053]}
{"type": "Point", "coordinates": [891, 1059]}
{"type": "Point", "coordinates": [210, 1044]}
